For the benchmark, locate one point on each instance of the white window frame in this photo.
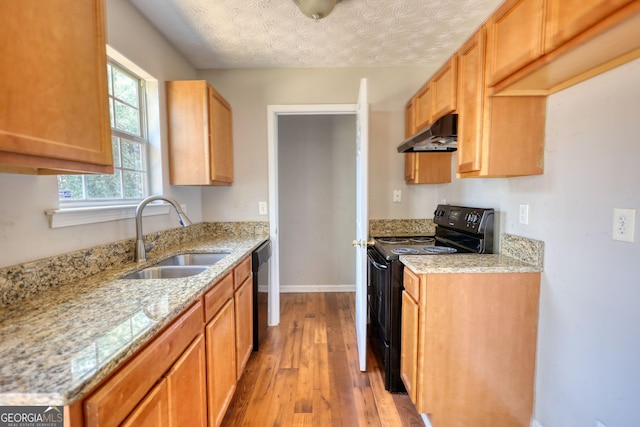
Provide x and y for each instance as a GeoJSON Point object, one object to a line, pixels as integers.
{"type": "Point", "coordinates": [84, 212]}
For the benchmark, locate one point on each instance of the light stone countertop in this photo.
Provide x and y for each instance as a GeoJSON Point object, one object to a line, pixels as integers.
{"type": "Point", "coordinates": [56, 346]}
{"type": "Point", "coordinates": [467, 263]}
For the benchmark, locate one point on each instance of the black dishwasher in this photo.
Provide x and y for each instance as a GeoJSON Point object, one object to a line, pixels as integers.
{"type": "Point", "coordinates": [260, 267]}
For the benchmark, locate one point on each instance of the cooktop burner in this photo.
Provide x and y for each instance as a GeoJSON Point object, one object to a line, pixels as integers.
{"type": "Point", "coordinates": [422, 239]}
{"type": "Point", "coordinates": [393, 240]}
{"type": "Point", "coordinates": [439, 250]}
{"type": "Point", "coordinates": [405, 251]}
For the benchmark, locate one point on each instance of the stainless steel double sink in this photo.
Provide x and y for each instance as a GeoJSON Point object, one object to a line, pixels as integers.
{"type": "Point", "coordinates": [178, 266]}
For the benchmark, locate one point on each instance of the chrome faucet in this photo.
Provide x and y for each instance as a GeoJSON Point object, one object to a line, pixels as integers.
{"type": "Point", "coordinates": [141, 250]}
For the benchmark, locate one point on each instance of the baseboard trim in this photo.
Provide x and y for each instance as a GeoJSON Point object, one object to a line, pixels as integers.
{"type": "Point", "coordinates": [317, 288]}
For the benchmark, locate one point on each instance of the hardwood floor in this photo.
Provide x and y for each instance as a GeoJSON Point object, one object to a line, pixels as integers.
{"type": "Point", "coordinates": [306, 373]}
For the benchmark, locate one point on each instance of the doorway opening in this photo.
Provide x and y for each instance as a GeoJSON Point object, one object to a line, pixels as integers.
{"type": "Point", "coordinates": [283, 134]}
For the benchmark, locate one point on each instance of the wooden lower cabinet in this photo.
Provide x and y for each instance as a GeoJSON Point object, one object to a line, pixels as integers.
{"type": "Point", "coordinates": [221, 362]}
{"type": "Point", "coordinates": [153, 411]}
{"type": "Point", "coordinates": [180, 398]}
{"type": "Point", "coordinates": [474, 358]}
{"type": "Point", "coordinates": [187, 375]}
{"type": "Point", "coordinates": [186, 387]}
{"type": "Point", "coordinates": [409, 345]}
{"type": "Point", "coordinates": [118, 397]}
{"type": "Point", "coordinates": [244, 324]}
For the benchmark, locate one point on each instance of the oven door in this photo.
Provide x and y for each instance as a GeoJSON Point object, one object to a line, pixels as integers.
{"type": "Point", "coordinates": [378, 288]}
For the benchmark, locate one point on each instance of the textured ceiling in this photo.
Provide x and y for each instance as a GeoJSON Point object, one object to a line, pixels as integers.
{"type": "Point", "coordinates": [274, 33]}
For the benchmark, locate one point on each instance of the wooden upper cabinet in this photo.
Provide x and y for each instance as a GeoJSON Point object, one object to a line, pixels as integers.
{"type": "Point", "coordinates": [200, 134]}
{"type": "Point", "coordinates": [470, 102]}
{"type": "Point", "coordinates": [428, 168]}
{"type": "Point", "coordinates": [515, 37]}
{"type": "Point", "coordinates": [568, 18]}
{"type": "Point", "coordinates": [423, 168]}
{"type": "Point", "coordinates": [53, 86]}
{"type": "Point", "coordinates": [409, 119]}
{"type": "Point", "coordinates": [444, 90]}
{"type": "Point", "coordinates": [422, 107]}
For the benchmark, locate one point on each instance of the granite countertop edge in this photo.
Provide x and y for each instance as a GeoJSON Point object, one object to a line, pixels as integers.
{"type": "Point", "coordinates": [467, 263]}
{"type": "Point", "coordinates": [59, 345]}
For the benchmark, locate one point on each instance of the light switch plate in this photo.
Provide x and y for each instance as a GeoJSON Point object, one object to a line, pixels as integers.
{"type": "Point", "coordinates": [397, 196]}
{"type": "Point", "coordinates": [523, 217]}
{"type": "Point", "coordinates": [263, 208]}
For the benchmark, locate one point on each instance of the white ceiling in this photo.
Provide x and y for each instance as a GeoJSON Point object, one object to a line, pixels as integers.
{"type": "Point", "coordinates": [274, 33]}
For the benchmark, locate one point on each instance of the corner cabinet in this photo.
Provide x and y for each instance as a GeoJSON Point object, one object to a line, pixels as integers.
{"type": "Point", "coordinates": [200, 134]}
{"type": "Point", "coordinates": [53, 85]}
{"type": "Point", "coordinates": [469, 346]}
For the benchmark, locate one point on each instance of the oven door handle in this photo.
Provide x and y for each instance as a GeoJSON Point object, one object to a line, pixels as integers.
{"type": "Point", "coordinates": [378, 265]}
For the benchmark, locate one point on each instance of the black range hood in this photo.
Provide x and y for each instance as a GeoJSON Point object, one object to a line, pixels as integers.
{"type": "Point", "coordinates": [442, 135]}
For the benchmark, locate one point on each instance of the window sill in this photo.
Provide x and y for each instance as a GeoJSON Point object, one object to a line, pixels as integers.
{"type": "Point", "coordinates": [91, 215]}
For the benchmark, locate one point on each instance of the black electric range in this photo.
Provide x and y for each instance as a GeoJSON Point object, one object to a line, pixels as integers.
{"type": "Point", "coordinates": [459, 229]}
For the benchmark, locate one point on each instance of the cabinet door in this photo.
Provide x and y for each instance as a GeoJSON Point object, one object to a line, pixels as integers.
{"type": "Point", "coordinates": [187, 387]}
{"type": "Point", "coordinates": [409, 345]}
{"type": "Point", "coordinates": [568, 18]}
{"type": "Point", "coordinates": [221, 362]}
{"type": "Point", "coordinates": [515, 37]}
{"type": "Point", "coordinates": [244, 325]}
{"type": "Point", "coordinates": [444, 90]}
{"type": "Point", "coordinates": [220, 139]}
{"type": "Point", "coordinates": [55, 111]}
{"type": "Point", "coordinates": [200, 135]}
{"type": "Point", "coordinates": [470, 103]}
{"type": "Point", "coordinates": [410, 160]}
{"type": "Point", "coordinates": [152, 411]}
{"type": "Point", "coordinates": [431, 168]}
{"type": "Point", "coordinates": [409, 129]}
{"type": "Point", "coordinates": [422, 107]}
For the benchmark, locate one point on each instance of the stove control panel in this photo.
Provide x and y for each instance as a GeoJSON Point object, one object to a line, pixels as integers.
{"type": "Point", "coordinates": [463, 218]}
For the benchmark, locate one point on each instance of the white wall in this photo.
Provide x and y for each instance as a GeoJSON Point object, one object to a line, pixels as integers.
{"type": "Point", "coordinates": [589, 332]}
{"type": "Point", "coordinates": [24, 231]}
{"type": "Point", "coordinates": [317, 193]}
{"type": "Point", "coordinates": [250, 91]}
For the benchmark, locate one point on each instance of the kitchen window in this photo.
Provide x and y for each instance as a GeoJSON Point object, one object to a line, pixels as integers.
{"type": "Point", "coordinates": [136, 137]}
{"type": "Point", "coordinates": [129, 182]}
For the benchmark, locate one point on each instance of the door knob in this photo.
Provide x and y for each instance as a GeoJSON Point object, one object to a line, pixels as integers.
{"type": "Point", "coordinates": [363, 243]}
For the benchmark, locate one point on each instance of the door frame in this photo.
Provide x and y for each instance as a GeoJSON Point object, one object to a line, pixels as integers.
{"type": "Point", "coordinates": [273, 111]}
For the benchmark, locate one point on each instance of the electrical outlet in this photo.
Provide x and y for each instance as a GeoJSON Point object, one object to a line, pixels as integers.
{"type": "Point", "coordinates": [524, 214]}
{"type": "Point", "coordinates": [263, 208]}
{"type": "Point", "coordinates": [397, 196]}
{"type": "Point", "coordinates": [624, 225]}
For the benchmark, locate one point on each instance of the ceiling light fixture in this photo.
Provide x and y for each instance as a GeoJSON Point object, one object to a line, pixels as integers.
{"type": "Point", "coordinates": [316, 9]}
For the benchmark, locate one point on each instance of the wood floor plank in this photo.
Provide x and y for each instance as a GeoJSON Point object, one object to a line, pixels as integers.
{"type": "Point", "coordinates": [307, 374]}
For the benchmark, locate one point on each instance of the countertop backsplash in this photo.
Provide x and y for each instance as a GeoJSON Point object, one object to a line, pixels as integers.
{"type": "Point", "coordinates": [21, 281]}
{"type": "Point", "coordinates": [401, 227]}
{"type": "Point", "coordinates": [522, 248]}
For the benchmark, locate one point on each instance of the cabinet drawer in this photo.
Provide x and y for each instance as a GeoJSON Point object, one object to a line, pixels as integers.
{"type": "Point", "coordinates": [217, 296]}
{"type": "Point", "coordinates": [411, 284]}
{"type": "Point", "coordinates": [241, 272]}
{"type": "Point", "coordinates": [111, 404]}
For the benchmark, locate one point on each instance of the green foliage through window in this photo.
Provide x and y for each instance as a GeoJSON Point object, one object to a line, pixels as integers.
{"type": "Point", "coordinates": [128, 128]}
